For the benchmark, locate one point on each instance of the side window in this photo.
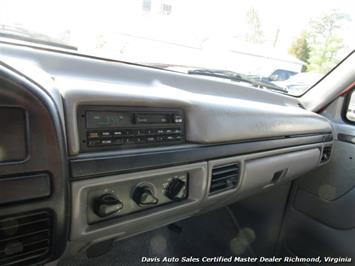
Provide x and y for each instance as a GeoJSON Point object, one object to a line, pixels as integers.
{"type": "Point", "coordinates": [349, 113]}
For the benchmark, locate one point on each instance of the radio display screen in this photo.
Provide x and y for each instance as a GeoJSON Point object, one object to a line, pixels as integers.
{"type": "Point", "coordinates": [108, 119]}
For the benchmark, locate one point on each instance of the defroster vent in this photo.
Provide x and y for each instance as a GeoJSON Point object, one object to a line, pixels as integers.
{"type": "Point", "coordinates": [25, 239]}
{"type": "Point", "coordinates": [224, 177]}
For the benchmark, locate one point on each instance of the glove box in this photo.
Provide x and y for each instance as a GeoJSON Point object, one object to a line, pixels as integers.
{"type": "Point", "coordinates": [268, 171]}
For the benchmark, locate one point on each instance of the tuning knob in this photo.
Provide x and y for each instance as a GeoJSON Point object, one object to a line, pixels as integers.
{"type": "Point", "coordinates": [143, 196]}
{"type": "Point", "coordinates": [176, 189]}
{"type": "Point", "coordinates": [107, 205]}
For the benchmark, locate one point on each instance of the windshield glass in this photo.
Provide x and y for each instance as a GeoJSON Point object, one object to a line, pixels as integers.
{"type": "Point", "coordinates": [286, 46]}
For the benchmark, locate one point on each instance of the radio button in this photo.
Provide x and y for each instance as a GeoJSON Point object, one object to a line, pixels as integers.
{"type": "Point", "coordinates": [117, 141]}
{"type": "Point", "coordinates": [130, 132]}
{"type": "Point", "coordinates": [106, 142]}
{"type": "Point", "coordinates": [106, 134]}
{"type": "Point", "coordinates": [118, 133]}
{"type": "Point", "coordinates": [142, 132]}
{"type": "Point", "coordinates": [170, 138]}
{"type": "Point", "coordinates": [129, 140]}
{"type": "Point", "coordinates": [151, 139]}
{"type": "Point", "coordinates": [139, 140]}
{"type": "Point", "coordinates": [159, 139]}
{"type": "Point", "coordinates": [178, 119]}
{"type": "Point", "coordinates": [93, 143]}
{"type": "Point", "coordinates": [160, 131]}
{"type": "Point", "coordinates": [150, 131]}
{"type": "Point", "coordinates": [177, 131]}
{"type": "Point", "coordinates": [93, 135]}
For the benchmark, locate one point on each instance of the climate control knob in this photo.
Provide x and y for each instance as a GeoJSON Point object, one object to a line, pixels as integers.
{"type": "Point", "coordinates": [107, 205]}
{"type": "Point", "coordinates": [176, 189]}
{"type": "Point", "coordinates": [143, 196]}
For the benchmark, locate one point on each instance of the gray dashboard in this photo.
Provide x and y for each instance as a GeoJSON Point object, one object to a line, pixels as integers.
{"type": "Point", "coordinates": [267, 137]}
{"type": "Point", "coordinates": [210, 118]}
{"type": "Point", "coordinates": [216, 111]}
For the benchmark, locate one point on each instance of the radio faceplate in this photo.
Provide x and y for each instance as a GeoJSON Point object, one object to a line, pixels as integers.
{"type": "Point", "coordinates": [108, 128]}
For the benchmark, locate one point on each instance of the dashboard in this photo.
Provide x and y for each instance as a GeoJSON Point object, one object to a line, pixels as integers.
{"type": "Point", "coordinates": [108, 150]}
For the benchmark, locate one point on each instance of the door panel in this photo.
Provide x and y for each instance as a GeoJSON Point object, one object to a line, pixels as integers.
{"type": "Point", "coordinates": [307, 237]}
{"type": "Point", "coordinates": [320, 218]}
{"type": "Point", "coordinates": [330, 213]}
{"type": "Point", "coordinates": [335, 179]}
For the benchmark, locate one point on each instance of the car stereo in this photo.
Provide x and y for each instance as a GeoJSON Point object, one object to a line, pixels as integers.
{"type": "Point", "coordinates": [102, 128]}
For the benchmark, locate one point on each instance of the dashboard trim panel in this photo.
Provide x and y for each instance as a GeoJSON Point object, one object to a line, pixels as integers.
{"type": "Point", "coordinates": [39, 102]}
{"type": "Point", "coordinates": [121, 163]}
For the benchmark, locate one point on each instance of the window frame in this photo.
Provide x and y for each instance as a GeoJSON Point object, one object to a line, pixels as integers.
{"type": "Point", "coordinates": [346, 106]}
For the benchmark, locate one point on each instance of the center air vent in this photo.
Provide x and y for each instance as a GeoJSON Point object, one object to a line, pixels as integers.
{"type": "Point", "coordinates": [224, 177]}
{"type": "Point", "coordinates": [25, 239]}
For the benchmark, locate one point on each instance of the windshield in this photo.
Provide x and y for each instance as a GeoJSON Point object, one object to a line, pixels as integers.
{"type": "Point", "coordinates": [286, 46]}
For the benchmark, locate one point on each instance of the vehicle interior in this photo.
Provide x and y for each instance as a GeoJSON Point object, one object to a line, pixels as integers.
{"type": "Point", "coordinates": [108, 162]}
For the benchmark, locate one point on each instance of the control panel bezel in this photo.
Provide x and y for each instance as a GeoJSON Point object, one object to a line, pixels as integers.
{"type": "Point", "coordinates": [124, 192]}
{"type": "Point", "coordinates": [121, 226]}
{"type": "Point", "coordinates": [135, 135]}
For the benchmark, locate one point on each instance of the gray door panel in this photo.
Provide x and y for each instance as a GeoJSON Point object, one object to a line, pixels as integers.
{"type": "Point", "coordinates": [335, 179]}
{"type": "Point", "coordinates": [320, 218]}
{"type": "Point", "coordinates": [307, 237]}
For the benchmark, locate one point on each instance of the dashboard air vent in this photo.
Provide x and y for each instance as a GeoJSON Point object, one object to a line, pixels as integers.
{"type": "Point", "coordinates": [327, 150]}
{"type": "Point", "coordinates": [25, 239]}
{"type": "Point", "coordinates": [224, 177]}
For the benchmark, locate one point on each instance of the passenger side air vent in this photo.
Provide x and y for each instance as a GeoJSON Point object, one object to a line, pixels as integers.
{"type": "Point", "coordinates": [25, 239]}
{"type": "Point", "coordinates": [327, 150]}
{"type": "Point", "coordinates": [224, 177]}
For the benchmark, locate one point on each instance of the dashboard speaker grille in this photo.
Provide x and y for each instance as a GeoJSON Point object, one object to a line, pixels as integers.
{"type": "Point", "coordinates": [224, 177]}
{"type": "Point", "coordinates": [25, 239]}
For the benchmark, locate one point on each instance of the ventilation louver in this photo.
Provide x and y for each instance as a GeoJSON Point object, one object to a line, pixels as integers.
{"type": "Point", "coordinates": [326, 154]}
{"type": "Point", "coordinates": [224, 177]}
{"type": "Point", "coordinates": [25, 239]}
